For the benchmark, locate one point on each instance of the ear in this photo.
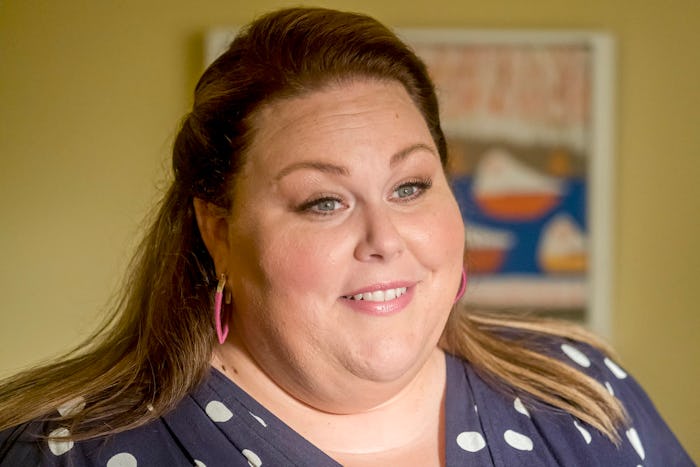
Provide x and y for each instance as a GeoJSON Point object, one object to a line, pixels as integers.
{"type": "Point", "coordinates": [212, 221]}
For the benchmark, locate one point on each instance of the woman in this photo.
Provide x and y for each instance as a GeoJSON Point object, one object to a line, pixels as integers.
{"type": "Point", "coordinates": [310, 211]}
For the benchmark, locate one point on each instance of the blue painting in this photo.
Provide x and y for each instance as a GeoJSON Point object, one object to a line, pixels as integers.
{"type": "Point", "coordinates": [517, 120]}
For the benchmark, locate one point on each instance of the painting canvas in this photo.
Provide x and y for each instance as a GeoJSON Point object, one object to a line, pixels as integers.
{"type": "Point", "coordinates": [528, 119]}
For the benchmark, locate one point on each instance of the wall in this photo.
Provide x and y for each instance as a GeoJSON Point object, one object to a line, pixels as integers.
{"type": "Point", "coordinates": [91, 93]}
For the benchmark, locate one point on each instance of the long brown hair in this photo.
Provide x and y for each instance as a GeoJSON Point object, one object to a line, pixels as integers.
{"type": "Point", "coordinates": [157, 346]}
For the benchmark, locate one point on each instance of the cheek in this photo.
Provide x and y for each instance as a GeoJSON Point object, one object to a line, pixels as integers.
{"type": "Point", "coordinates": [298, 263]}
{"type": "Point", "coordinates": [278, 278]}
{"type": "Point", "coordinates": [298, 287]}
{"type": "Point", "coordinates": [441, 236]}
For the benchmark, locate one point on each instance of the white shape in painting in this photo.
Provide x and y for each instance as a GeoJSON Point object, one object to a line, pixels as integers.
{"type": "Point", "coordinates": [480, 237]}
{"type": "Point", "coordinates": [499, 172]}
{"type": "Point", "coordinates": [562, 245]}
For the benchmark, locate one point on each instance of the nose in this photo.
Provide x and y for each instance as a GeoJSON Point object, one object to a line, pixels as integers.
{"type": "Point", "coordinates": [379, 240]}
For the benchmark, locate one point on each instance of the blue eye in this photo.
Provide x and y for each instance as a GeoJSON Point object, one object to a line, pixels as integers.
{"type": "Point", "coordinates": [326, 205]}
{"type": "Point", "coordinates": [406, 191]}
{"type": "Point", "coordinates": [410, 190]}
{"type": "Point", "coordinates": [321, 206]}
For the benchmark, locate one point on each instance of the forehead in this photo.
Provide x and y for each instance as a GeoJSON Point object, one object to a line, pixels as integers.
{"type": "Point", "coordinates": [340, 117]}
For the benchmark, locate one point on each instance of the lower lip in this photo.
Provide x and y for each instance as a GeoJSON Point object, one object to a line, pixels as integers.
{"type": "Point", "coordinates": [387, 308]}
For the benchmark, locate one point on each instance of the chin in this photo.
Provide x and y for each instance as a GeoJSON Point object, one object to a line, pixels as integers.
{"type": "Point", "coordinates": [385, 362]}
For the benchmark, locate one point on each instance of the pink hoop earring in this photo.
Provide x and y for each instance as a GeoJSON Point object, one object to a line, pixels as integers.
{"type": "Point", "coordinates": [221, 331]}
{"type": "Point", "coordinates": [462, 286]}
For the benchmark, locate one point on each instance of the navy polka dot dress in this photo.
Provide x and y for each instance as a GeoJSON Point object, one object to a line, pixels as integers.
{"type": "Point", "coordinates": [220, 425]}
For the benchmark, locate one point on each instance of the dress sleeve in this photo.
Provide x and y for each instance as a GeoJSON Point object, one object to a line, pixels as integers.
{"type": "Point", "coordinates": [647, 432]}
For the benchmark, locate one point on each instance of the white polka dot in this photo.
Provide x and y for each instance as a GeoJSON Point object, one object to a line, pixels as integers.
{"type": "Point", "coordinates": [616, 370]}
{"type": "Point", "coordinates": [609, 388]}
{"type": "Point", "coordinates": [218, 412]}
{"type": "Point", "coordinates": [71, 407]}
{"type": "Point", "coordinates": [586, 435]}
{"type": "Point", "coordinates": [199, 463]}
{"type": "Point", "coordinates": [123, 459]}
{"type": "Point", "coordinates": [636, 443]}
{"type": "Point", "coordinates": [518, 441]}
{"type": "Point", "coordinates": [471, 441]}
{"type": "Point", "coordinates": [59, 446]}
{"type": "Point", "coordinates": [518, 404]}
{"type": "Point", "coordinates": [253, 459]}
{"type": "Point", "coordinates": [576, 355]}
{"type": "Point", "coordinates": [260, 420]}
{"type": "Point", "coordinates": [476, 409]}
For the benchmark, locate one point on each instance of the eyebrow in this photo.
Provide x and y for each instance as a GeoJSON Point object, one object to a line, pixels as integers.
{"type": "Point", "coordinates": [340, 170]}
{"type": "Point", "coordinates": [314, 165]}
{"type": "Point", "coordinates": [404, 153]}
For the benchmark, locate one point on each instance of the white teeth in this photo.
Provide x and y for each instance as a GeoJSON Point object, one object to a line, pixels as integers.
{"type": "Point", "coordinates": [379, 295]}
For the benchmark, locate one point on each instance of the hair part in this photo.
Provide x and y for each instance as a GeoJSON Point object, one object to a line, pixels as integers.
{"type": "Point", "coordinates": [156, 346]}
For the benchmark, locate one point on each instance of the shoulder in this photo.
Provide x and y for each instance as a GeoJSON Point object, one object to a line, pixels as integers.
{"type": "Point", "coordinates": [646, 431]}
{"type": "Point", "coordinates": [645, 439]}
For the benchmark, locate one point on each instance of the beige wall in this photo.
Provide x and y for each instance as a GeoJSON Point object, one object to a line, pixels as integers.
{"type": "Point", "coordinates": [90, 94]}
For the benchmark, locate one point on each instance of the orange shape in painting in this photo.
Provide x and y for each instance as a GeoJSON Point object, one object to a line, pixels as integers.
{"type": "Point", "coordinates": [486, 249]}
{"type": "Point", "coordinates": [521, 207]}
{"type": "Point", "coordinates": [507, 189]}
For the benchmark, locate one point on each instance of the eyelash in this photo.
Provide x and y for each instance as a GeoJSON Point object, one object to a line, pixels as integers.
{"type": "Point", "coordinates": [421, 185]}
{"type": "Point", "coordinates": [309, 205]}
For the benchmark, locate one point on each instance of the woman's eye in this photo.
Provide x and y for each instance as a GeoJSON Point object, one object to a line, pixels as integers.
{"type": "Point", "coordinates": [323, 206]}
{"type": "Point", "coordinates": [327, 205]}
{"type": "Point", "coordinates": [408, 191]}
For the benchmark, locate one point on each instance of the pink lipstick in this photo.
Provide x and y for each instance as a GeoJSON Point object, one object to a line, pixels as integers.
{"type": "Point", "coordinates": [381, 299]}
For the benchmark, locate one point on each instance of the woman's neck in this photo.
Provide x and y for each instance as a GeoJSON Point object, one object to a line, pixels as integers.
{"type": "Point", "coordinates": [410, 420]}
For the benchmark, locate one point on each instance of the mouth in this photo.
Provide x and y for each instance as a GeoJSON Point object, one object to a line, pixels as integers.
{"type": "Point", "coordinates": [381, 299]}
{"type": "Point", "coordinates": [383, 295]}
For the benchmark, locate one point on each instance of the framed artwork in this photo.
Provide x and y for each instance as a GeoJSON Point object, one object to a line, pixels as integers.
{"type": "Point", "coordinates": [528, 116]}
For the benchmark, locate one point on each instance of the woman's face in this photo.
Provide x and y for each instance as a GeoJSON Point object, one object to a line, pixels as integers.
{"type": "Point", "coordinates": [345, 245]}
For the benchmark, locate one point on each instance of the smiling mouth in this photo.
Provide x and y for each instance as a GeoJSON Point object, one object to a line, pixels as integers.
{"type": "Point", "coordinates": [378, 295]}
